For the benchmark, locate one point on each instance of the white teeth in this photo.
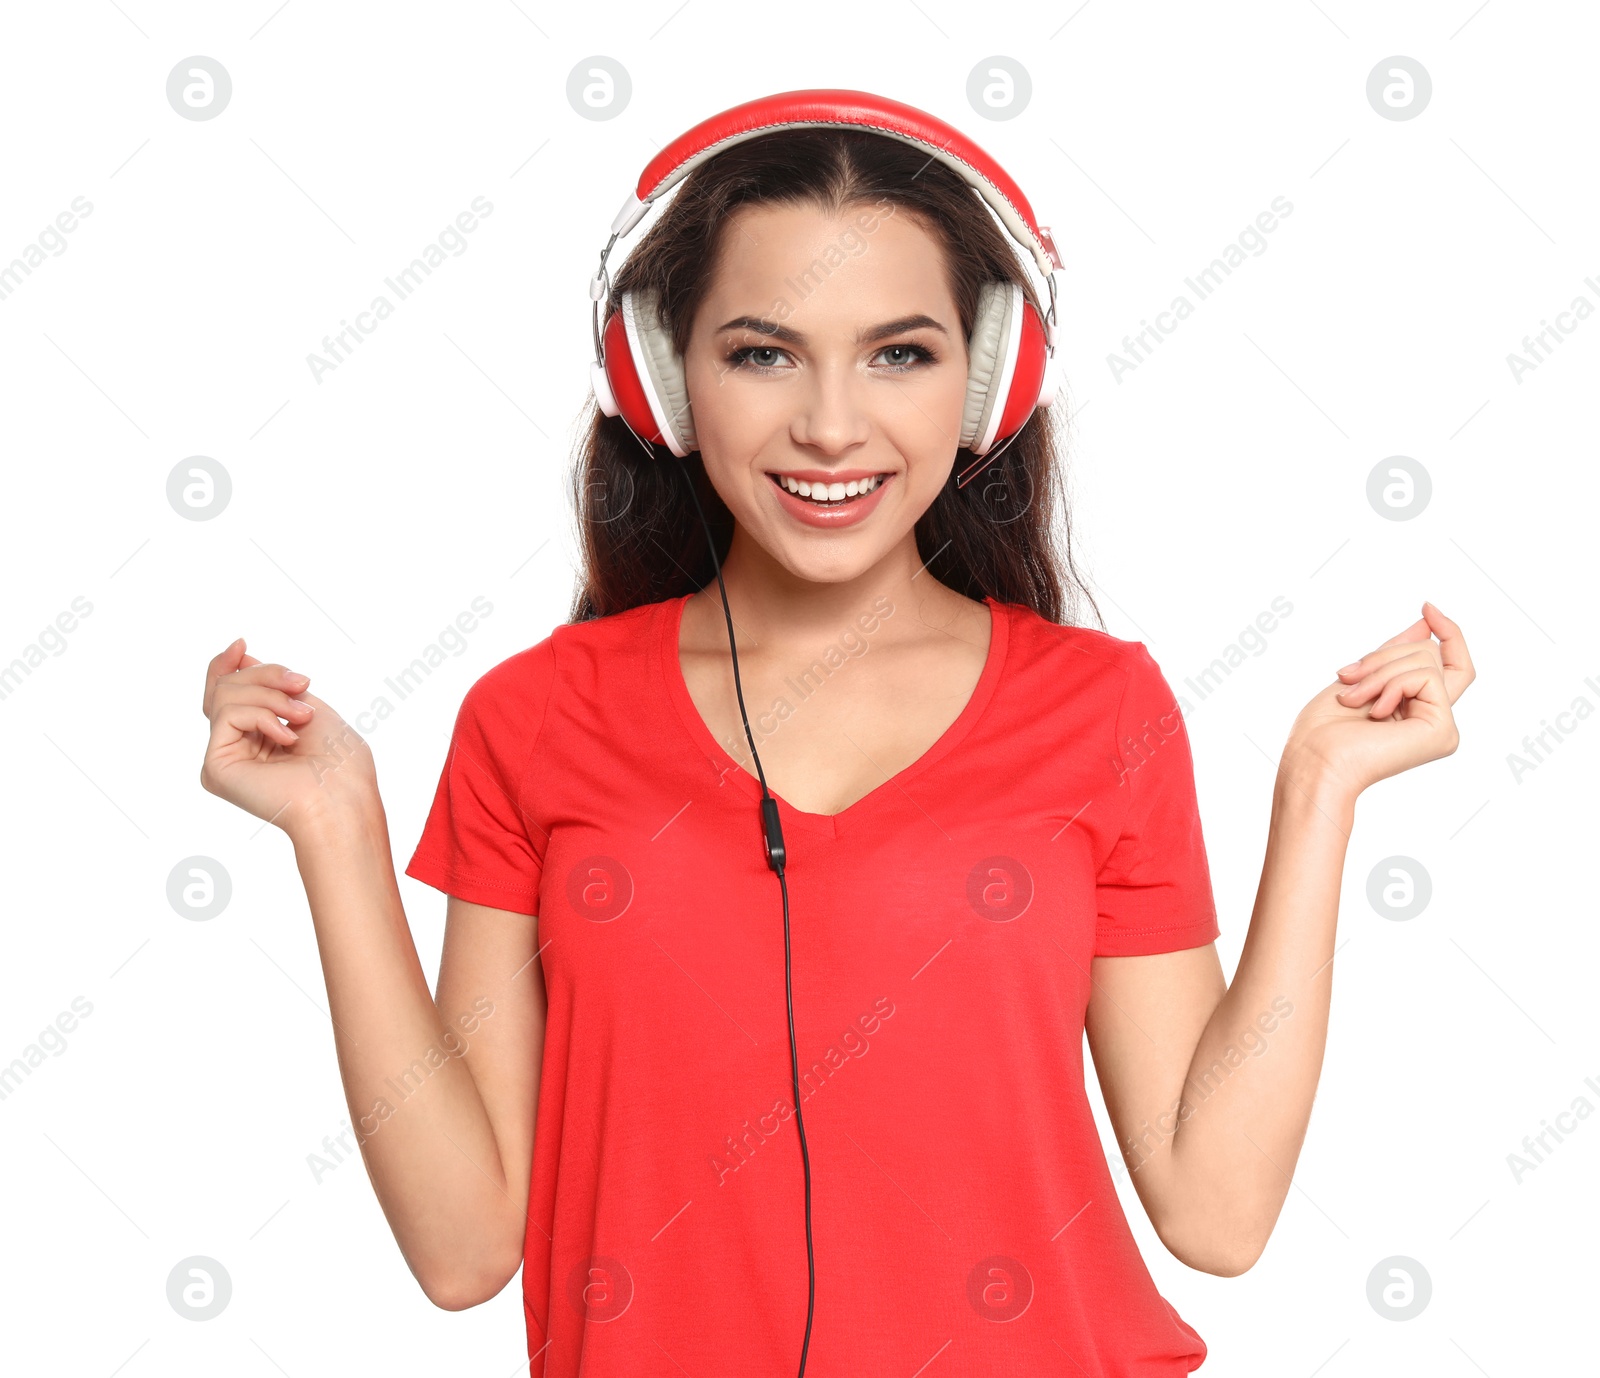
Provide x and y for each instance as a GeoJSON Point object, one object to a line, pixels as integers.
{"type": "Point", "coordinates": [829, 492]}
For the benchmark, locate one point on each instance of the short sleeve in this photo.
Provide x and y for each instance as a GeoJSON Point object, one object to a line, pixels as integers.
{"type": "Point", "coordinates": [1153, 892]}
{"type": "Point", "coordinates": [482, 842]}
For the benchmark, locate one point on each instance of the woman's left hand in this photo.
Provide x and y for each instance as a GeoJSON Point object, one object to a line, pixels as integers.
{"type": "Point", "coordinates": [1390, 710]}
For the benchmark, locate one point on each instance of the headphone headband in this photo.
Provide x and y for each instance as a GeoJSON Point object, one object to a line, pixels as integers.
{"type": "Point", "coordinates": [820, 108]}
{"type": "Point", "coordinates": [813, 109]}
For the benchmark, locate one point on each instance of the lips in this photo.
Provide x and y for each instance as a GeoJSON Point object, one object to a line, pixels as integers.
{"type": "Point", "coordinates": [831, 515]}
{"type": "Point", "coordinates": [819, 492]}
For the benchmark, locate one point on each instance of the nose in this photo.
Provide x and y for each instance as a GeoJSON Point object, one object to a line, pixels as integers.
{"type": "Point", "coordinates": [832, 416]}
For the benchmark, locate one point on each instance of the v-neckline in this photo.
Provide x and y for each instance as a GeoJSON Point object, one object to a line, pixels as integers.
{"type": "Point", "coordinates": [669, 625]}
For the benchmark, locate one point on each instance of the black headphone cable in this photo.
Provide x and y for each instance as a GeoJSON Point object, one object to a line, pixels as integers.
{"type": "Point", "coordinates": [772, 838]}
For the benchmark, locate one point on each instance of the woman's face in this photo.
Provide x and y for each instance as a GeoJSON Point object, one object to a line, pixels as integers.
{"type": "Point", "coordinates": [828, 349]}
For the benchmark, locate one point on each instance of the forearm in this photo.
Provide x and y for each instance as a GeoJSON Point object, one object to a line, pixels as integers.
{"type": "Point", "coordinates": [425, 1135]}
{"type": "Point", "coordinates": [1248, 1093]}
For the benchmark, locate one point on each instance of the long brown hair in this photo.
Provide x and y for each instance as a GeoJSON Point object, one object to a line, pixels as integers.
{"type": "Point", "coordinates": [997, 534]}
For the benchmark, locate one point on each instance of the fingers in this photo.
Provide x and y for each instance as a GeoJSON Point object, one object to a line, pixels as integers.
{"type": "Point", "coordinates": [1387, 654]}
{"type": "Point", "coordinates": [1417, 631]}
{"type": "Point", "coordinates": [1417, 697]}
{"type": "Point", "coordinates": [1420, 682]}
{"type": "Point", "coordinates": [252, 698]}
{"type": "Point", "coordinates": [232, 666]}
{"type": "Point", "coordinates": [1418, 634]}
{"type": "Point", "coordinates": [1457, 660]}
{"type": "Point", "coordinates": [234, 720]}
{"type": "Point", "coordinates": [239, 691]}
{"type": "Point", "coordinates": [225, 662]}
{"type": "Point", "coordinates": [1399, 670]}
{"type": "Point", "coordinates": [1449, 652]}
{"type": "Point", "coordinates": [280, 676]}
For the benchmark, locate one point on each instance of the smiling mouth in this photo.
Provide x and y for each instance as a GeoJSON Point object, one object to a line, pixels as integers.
{"type": "Point", "coordinates": [829, 494]}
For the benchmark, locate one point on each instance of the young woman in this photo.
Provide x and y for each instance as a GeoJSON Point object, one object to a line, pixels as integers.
{"type": "Point", "coordinates": [992, 844]}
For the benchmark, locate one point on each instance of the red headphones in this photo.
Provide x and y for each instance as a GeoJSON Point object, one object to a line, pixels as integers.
{"type": "Point", "coordinates": [637, 373]}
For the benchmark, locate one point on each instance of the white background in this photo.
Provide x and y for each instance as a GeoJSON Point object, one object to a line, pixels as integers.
{"type": "Point", "coordinates": [369, 509]}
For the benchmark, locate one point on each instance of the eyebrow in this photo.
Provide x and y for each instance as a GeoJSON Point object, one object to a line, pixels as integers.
{"type": "Point", "coordinates": [864, 336]}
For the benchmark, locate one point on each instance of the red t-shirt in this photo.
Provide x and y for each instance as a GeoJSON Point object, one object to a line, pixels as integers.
{"type": "Point", "coordinates": [942, 930]}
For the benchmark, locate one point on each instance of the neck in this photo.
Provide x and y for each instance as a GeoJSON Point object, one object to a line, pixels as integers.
{"type": "Point", "coordinates": [771, 605]}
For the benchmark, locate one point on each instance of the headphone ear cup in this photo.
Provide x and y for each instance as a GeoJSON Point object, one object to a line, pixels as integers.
{"type": "Point", "coordinates": [986, 350]}
{"type": "Point", "coordinates": [645, 375]}
{"type": "Point", "coordinates": [1006, 373]}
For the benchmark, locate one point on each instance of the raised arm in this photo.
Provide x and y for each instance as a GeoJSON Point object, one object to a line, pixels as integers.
{"type": "Point", "coordinates": [441, 1093]}
{"type": "Point", "coordinates": [1209, 1086]}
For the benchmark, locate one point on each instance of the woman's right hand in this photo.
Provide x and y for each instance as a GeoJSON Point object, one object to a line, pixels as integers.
{"type": "Point", "coordinates": [285, 776]}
